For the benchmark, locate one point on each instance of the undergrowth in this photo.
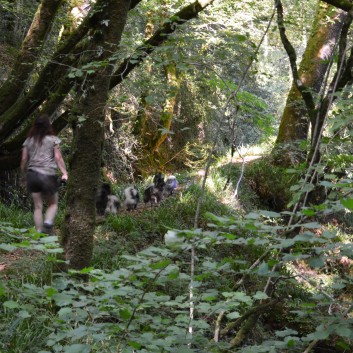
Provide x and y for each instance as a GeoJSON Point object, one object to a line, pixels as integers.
{"type": "Point", "coordinates": [136, 297]}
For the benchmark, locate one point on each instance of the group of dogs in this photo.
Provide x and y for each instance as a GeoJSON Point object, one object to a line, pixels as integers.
{"type": "Point", "coordinates": [107, 203]}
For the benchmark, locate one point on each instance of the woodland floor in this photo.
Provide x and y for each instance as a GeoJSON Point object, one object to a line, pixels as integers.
{"type": "Point", "coordinates": [10, 259]}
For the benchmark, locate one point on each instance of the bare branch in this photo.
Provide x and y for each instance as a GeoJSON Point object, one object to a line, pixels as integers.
{"type": "Point", "coordinates": [345, 5]}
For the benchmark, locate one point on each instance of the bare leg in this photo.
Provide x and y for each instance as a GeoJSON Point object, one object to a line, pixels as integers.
{"type": "Point", "coordinates": [52, 208]}
{"type": "Point", "coordinates": [38, 210]}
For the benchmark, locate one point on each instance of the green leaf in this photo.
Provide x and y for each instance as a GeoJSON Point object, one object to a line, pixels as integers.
{"type": "Point", "coordinates": [233, 315]}
{"type": "Point", "coordinates": [7, 247]}
{"type": "Point", "coordinates": [62, 299]}
{"type": "Point", "coordinates": [319, 335]}
{"type": "Point", "coordinates": [50, 292]}
{"type": "Point", "coordinates": [287, 332]}
{"type": "Point", "coordinates": [316, 262]}
{"type": "Point", "coordinates": [307, 212]}
{"type": "Point", "coordinates": [10, 304]}
{"type": "Point", "coordinates": [87, 270]}
{"type": "Point", "coordinates": [24, 314]}
{"type": "Point", "coordinates": [64, 311]}
{"type": "Point", "coordinates": [165, 131]}
{"type": "Point", "coordinates": [173, 275]}
{"type": "Point", "coordinates": [311, 225]}
{"type": "Point", "coordinates": [81, 118]}
{"type": "Point", "coordinates": [252, 215]}
{"type": "Point", "coordinates": [343, 345]}
{"type": "Point", "coordinates": [160, 264]}
{"type": "Point", "coordinates": [134, 344]}
{"type": "Point", "coordinates": [344, 331]}
{"type": "Point", "coordinates": [240, 37]}
{"type": "Point", "coordinates": [149, 99]}
{"type": "Point", "coordinates": [50, 239]}
{"type": "Point", "coordinates": [307, 187]}
{"type": "Point", "coordinates": [263, 269]}
{"type": "Point", "coordinates": [125, 314]}
{"type": "Point", "coordinates": [260, 295]}
{"type": "Point", "coordinates": [327, 184]}
{"type": "Point", "coordinates": [77, 348]}
{"type": "Point", "coordinates": [347, 203]}
{"type": "Point", "coordinates": [291, 343]}
{"type": "Point", "coordinates": [2, 290]}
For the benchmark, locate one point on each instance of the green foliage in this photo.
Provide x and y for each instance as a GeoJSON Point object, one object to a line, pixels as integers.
{"type": "Point", "coordinates": [17, 17]}
{"type": "Point", "coordinates": [136, 297]}
{"type": "Point", "coordinates": [143, 303]}
{"type": "Point", "coordinates": [15, 217]}
{"type": "Point", "coordinates": [270, 183]}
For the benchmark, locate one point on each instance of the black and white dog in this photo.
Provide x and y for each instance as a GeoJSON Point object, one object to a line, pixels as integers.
{"type": "Point", "coordinates": [106, 203]}
{"type": "Point", "coordinates": [154, 193]}
{"type": "Point", "coordinates": [171, 184]}
{"type": "Point", "coordinates": [102, 198]}
{"type": "Point", "coordinates": [113, 205]}
{"type": "Point", "coordinates": [132, 197]}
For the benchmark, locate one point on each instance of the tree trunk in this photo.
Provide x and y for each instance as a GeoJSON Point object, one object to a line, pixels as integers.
{"type": "Point", "coordinates": [342, 77]}
{"type": "Point", "coordinates": [29, 54]}
{"type": "Point", "coordinates": [173, 87]}
{"type": "Point", "coordinates": [294, 126]}
{"type": "Point", "coordinates": [87, 145]}
{"type": "Point", "coordinates": [139, 128]}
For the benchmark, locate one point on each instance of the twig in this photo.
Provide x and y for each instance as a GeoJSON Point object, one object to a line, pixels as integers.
{"type": "Point", "coordinates": [235, 194]}
{"type": "Point", "coordinates": [254, 310]}
{"type": "Point", "coordinates": [311, 346]}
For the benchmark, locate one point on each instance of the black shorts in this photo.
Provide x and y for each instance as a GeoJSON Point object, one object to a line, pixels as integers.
{"type": "Point", "coordinates": [37, 182]}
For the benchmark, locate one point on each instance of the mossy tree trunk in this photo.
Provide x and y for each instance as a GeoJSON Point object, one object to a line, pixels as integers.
{"type": "Point", "coordinates": [87, 145]}
{"type": "Point", "coordinates": [173, 87]}
{"type": "Point", "coordinates": [295, 121]}
{"type": "Point", "coordinates": [144, 112]}
{"type": "Point", "coordinates": [143, 126]}
{"type": "Point", "coordinates": [29, 53]}
{"type": "Point", "coordinates": [340, 80]}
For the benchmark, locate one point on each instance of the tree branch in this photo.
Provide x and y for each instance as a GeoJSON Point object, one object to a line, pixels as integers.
{"type": "Point", "coordinates": [304, 91]}
{"type": "Point", "coordinates": [29, 53]}
{"type": "Point", "coordinates": [160, 36]}
{"type": "Point", "coordinates": [345, 5]}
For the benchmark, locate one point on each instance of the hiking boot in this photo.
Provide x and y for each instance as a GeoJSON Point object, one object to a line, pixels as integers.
{"type": "Point", "coordinates": [47, 228]}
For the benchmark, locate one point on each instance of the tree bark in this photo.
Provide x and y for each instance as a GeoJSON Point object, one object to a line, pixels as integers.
{"type": "Point", "coordinates": [88, 140]}
{"type": "Point", "coordinates": [345, 5]}
{"type": "Point", "coordinates": [294, 126]}
{"type": "Point", "coordinates": [342, 77]}
{"type": "Point", "coordinates": [139, 127]}
{"type": "Point", "coordinates": [29, 53]}
{"type": "Point", "coordinates": [173, 87]}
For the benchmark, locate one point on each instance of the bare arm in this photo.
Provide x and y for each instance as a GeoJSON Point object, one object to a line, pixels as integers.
{"type": "Point", "coordinates": [60, 162]}
{"type": "Point", "coordinates": [24, 160]}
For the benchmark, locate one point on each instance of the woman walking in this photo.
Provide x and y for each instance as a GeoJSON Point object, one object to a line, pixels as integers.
{"type": "Point", "coordinates": [41, 152]}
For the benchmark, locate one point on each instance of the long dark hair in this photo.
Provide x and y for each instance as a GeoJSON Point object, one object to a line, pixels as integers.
{"type": "Point", "coordinates": [41, 128]}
